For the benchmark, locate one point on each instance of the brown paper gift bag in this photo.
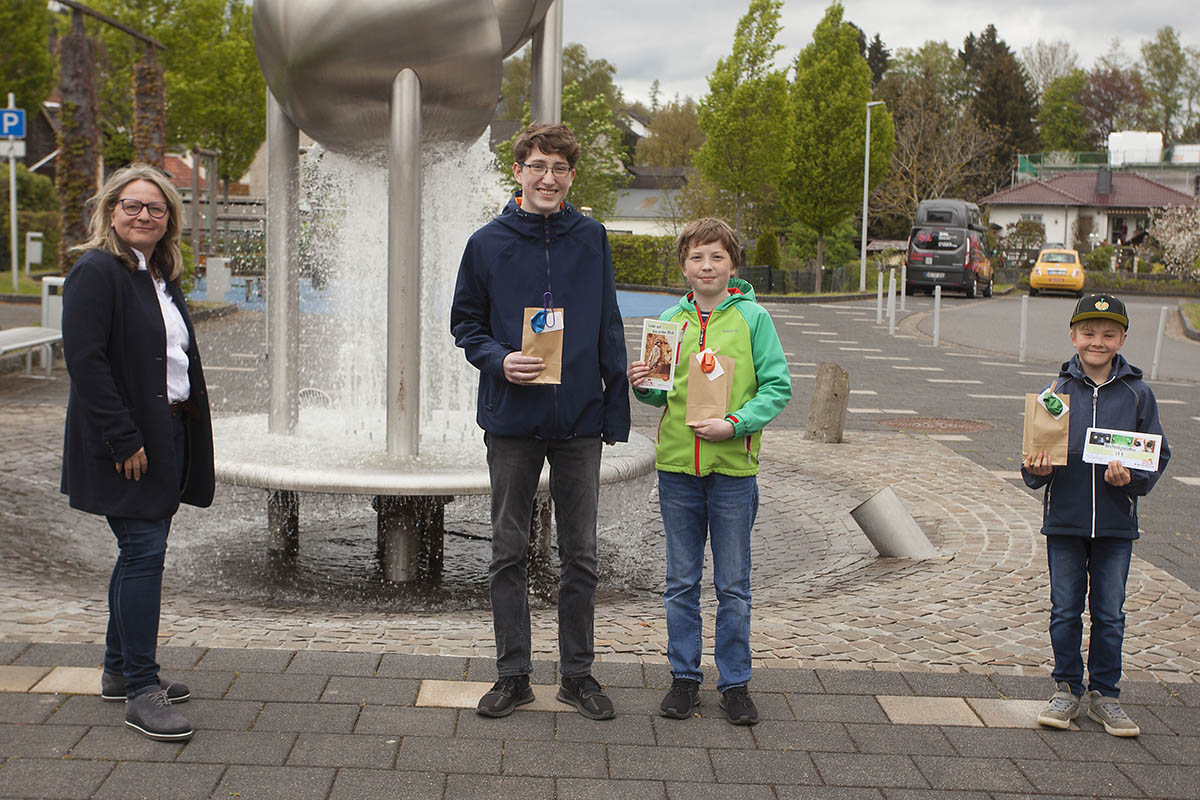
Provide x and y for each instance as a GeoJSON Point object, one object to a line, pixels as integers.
{"type": "Point", "coordinates": [1044, 432]}
{"type": "Point", "coordinates": [707, 399]}
{"type": "Point", "coordinates": [547, 345]}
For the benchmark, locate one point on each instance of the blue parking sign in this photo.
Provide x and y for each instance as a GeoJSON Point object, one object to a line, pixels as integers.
{"type": "Point", "coordinates": [12, 122]}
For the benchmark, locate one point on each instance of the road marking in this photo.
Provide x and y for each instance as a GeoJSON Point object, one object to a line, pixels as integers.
{"type": "Point", "coordinates": [949, 437]}
{"type": "Point", "coordinates": [907, 411]}
{"type": "Point", "coordinates": [918, 369]}
{"type": "Point", "coordinates": [800, 375]}
{"type": "Point", "coordinates": [862, 349]}
{"type": "Point", "coordinates": [887, 358]}
{"type": "Point", "coordinates": [803, 324]}
{"type": "Point", "coordinates": [966, 355]}
{"type": "Point", "coordinates": [952, 380]}
{"type": "Point", "coordinates": [1196, 419]}
{"type": "Point", "coordinates": [997, 396]}
{"type": "Point", "coordinates": [819, 333]}
{"type": "Point", "coordinates": [1007, 474]}
{"type": "Point", "coordinates": [863, 391]}
{"type": "Point", "coordinates": [786, 316]}
{"type": "Point", "coordinates": [998, 363]}
{"type": "Point", "coordinates": [802, 363]}
{"type": "Point", "coordinates": [1187, 481]}
{"type": "Point", "coordinates": [211, 368]}
{"type": "Point", "coordinates": [1165, 402]}
{"type": "Point", "coordinates": [863, 411]}
{"type": "Point", "coordinates": [835, 341]}
{"type": "Point", "coordinates": [1040, 374]}
{"type": "Point", "coordinates": [245, 355]}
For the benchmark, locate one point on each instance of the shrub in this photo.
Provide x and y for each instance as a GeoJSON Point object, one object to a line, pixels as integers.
{"type": "Point", "coordinates": [766, 250]}
{"type": "Point", "coordinates": [1099, 258]}
{"type": "Point", "coordinates": [644, 260]}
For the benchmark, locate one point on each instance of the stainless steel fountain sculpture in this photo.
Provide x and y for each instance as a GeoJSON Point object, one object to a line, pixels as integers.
{"type": "Point", "coordinates": [377, 78]}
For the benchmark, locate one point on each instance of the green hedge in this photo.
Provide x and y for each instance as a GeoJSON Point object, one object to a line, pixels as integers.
{"type": "Point", "coordinates": [644, 260]}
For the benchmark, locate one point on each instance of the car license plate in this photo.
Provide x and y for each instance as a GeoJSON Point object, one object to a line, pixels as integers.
{"type": "Point", "coordinates": [1056, 280]}
{"type": "Point", "coordinates": [935, 275]}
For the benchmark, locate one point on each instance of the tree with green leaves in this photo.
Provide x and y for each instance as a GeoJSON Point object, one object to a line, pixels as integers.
{"type": "Point", "coordinates": [1165, 71]}
{"type": "Point", "coordinates": [1001, 97]}
{"type": "Point", "coordinates": [879, 58]}
{"type": "Point", "coordinates": [1115, 98]}
{"type": "Point", "coordinates": [822, 186]}
{"type": "Point", "coordinates": [1063, 118]}
{"type": "Point", "coordinates": [1046, 62]}
{"type": "Point", "coordinates": [674, 135]}
{"type": "Point", "coordinates": [26, 63]}
{"type": "Point", "coordinates": [746, 115]}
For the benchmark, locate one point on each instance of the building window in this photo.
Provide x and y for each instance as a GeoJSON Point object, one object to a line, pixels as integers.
{"type": "Point", "coordinates": [1031, 218]}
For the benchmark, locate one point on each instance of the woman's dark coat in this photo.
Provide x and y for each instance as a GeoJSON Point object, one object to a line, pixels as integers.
{"type": "Point", "coordinates": [115, 347]}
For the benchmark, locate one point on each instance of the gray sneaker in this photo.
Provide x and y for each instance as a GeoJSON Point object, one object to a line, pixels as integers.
{"type": "Point", "coordinates": [1108, 712]}
{"type": "Point", "coordinates": [1062, 708]}
{"type": "Point", "coordinates": [151, 714]}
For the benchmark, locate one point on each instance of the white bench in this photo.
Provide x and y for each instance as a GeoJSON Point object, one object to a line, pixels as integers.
{"type": "Point", "coordinates": [16, 340]}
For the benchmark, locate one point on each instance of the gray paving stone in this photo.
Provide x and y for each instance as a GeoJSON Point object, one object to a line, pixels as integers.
{"type": "Point", "coordinates": [685, 764]}
{"type": "Point", "coordinates": [1083, 777]}
{"type": "Point", "coordinates": [53, 654]}
{"type": "Point", "coordinates": [1165, 781]}
{"type": "Point", "coordinates": [283, 688]}
{"type": "Point", "coordinates": [572, 727]}
{"type": "Point", "coordinates": [247, 660]}
{"type": "Point", "coordinates": [715, 732]}
{"type": "Point", "coordinates": [584, 789]}
{"type": "Point", "coordinates": [972, 774]}
{"type": "Point", "coordinates": [1022, 687]}
{"type": "Point", "coordinates": [998, 742]}
{"type": "Point", "coordinates": [444, 668]}
{"type": "Point", "coordinates": [519, 725]}
{"type": "Point", "coordinates": [29, 709]}
{"type": "Point", "coordinates": [313, 662]}
{"type": "Point", "coordinates": [643, 701]}
{"type": "Point", "coordinates": [275, 783]}
{"type": "Point", "coordinates": [845, 769]}
{"type": "Point", "coordinates": [406, 721]}
{"type": "Point", "coordinates": [764, 766]}
{"type": "Point", "coordinates": [836, 708]}
{"type": "Point", "coordinates": [81, 709]}
{"type": "Point", "coordinates": [826, 793]}
{"type": "Point", "coordinates": [771, 705]}
{"type": "Point", "coordinates": [484, 669]}
{"type": "Point", "coordinates": [53, 777]}
{"type": "Point", "coordinates": [1147, 693]}
{"type": "Point", "coordinates": [555, 759]}
{"type": "Point", "coordinates": [140, 781]}
{"type": "Point", "coordinates": [375, 784]}
{"type": "Point", "coordinates": [366, 751]}
{"type": "Point", "coordinates": [933, 794]}
{"type": "Point", "coordinates": [103, 743]}
{"type": "Point", "coordinates": [229, 715]}
{"type": "Point", "coordinates": [724, 791]}
{"type": "Point", "coordinates": [862, 681]}
{"type": "Point", "coordinates": [178, 658]}
{"type": "Point", "coordinates": [900, 739]}
{"type": "Point", "coordinates": [267, 748]}
{"type": "Point", "coordinates": [615, 673]}
{"type": "Point", "coordinates": [495, 787]}
{"type": "Point", "coordinates": [1186, 693]}
{"type": "Point", "coordinates": [798, 681]}
{"type": "Point", "coordinates": [432, 754]}
{"type": "Point", "coordinates": [1183, 720]}
{"type": "Point", "coordinates": [307, 717]}
{"type": "Point", "coordinates": [1172, 749]}
{"type": "Point", "coordinates": [211, 685]}
{"type": "Point", "coordinates": [950, 684]}
{"type": "Point", "coordinates": [39, 741]}
{"type": "Point", "coordinates": [1096, 745]}
{"type": "Point", "coordinates": [371, 691]}
{"type": "Point", "coordinates": [9, 651]}
{"type": "Point", "coordinates": [803, 735]}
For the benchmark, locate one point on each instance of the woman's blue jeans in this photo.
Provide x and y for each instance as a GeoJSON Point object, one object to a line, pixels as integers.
{"type": "Point", "coordinates": [693, 508]}
{"type": "Point", "coordinates": [1096, 569]}
{"type": "Point", "coordinates": [135, 591]}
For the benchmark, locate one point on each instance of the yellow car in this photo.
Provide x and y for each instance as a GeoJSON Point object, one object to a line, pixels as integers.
{"type": "Point", "coordinates": [1057, 270]}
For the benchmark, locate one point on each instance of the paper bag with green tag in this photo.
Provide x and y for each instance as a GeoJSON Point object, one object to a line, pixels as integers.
{"type": "Point", "coordinates": [708, 397]}
{"type": "Point", "coordinates": [546, 345]}
{"type": "Point", "coordinates": [1047, 426]}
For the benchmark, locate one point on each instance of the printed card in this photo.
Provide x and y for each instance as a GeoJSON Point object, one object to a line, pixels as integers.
{"type": "Point", "coordinates": [1132, 449]}
{"type": "Point", "coordinates": [660, 343]}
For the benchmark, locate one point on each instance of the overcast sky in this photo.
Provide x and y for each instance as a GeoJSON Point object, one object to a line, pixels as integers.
{"type": "Point", "coordinates": [679, 41]}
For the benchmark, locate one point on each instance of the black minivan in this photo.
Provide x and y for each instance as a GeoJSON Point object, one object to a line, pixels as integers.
{"type": "Point", "coordinates": [946, 247]}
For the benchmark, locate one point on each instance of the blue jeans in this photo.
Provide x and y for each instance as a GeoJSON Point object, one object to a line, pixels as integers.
{"type": "Point", "coordinates": [514, 467]}
{"type": "Point", "coordinates": [1097, 569]}
{"type": "Point", "coordinates": [692, 508]}
{"type": "Point", "coordinates": [135, 591]}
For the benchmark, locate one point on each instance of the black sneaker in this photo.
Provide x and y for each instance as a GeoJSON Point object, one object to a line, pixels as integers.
{"type": "Point", "coordinates": [586, 695]}
{"type": "Point", "coordinates": [738, 706]}
{"type": "Point", "coordinates": [681, 700]}
{"type": "Point", "coordinates": [112, 688]}
{"type": "Point", "coordinates": [150, 714]}
{"type": "Point", "coordinates": [504, 696]}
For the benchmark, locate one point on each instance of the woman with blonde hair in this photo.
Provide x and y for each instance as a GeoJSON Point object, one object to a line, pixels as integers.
{"type": "Point", "coordinates": [138, 437]}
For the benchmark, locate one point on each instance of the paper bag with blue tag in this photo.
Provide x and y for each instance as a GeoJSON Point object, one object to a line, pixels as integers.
{"type": "Point", "coordinates": [542, 337]}
{"type": "Point", "coordinates": [1047, 426]}
{"type": "Point", "coordinates": [709, 386]}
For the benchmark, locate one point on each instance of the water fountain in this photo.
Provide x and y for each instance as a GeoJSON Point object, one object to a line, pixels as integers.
{"type": "Point", "coordinates": [386, 82]}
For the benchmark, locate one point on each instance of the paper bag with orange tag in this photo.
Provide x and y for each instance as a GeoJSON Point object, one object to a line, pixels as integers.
{"type": "Point", "coordinates": [710, 384]}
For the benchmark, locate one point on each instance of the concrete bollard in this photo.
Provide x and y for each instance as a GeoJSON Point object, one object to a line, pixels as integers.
{"type": "Point", "coordinates": [218, 279]}
{"type": "Point", "coordinates": [890, 527]}
{"type": "Point", "coordinates": [827, 412]}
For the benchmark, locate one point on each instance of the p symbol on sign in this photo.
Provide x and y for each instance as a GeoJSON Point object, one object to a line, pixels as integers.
{"type": "Point", "coordinates": [12, 122]}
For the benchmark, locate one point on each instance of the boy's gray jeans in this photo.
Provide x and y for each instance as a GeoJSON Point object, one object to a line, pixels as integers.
{"type": "Point", "coordinates": [514, 466]}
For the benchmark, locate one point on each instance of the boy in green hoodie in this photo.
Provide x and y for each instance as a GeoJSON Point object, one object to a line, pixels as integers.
{"type": "Point", "coordinates": [707, 467]}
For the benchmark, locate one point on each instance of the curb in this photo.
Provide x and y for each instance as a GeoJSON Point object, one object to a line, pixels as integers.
{"type": "Point", "coordinates": [199, 314]}
{"type": "Point", "coordinates": [1188, 330]}
{"type": "Point", "coordinates": [28, 299]}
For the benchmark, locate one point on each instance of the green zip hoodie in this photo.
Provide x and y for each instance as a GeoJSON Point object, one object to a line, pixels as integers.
{"type": "Point", "coordinates": [738, 327]}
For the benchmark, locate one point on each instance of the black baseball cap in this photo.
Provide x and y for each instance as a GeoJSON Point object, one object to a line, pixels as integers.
{"type": "Point", "coordinates": [1100, 306]}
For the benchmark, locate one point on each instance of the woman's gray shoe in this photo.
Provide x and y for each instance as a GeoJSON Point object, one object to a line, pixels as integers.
{"type": "Point", "coordinates": [1062, 708]}
{"type": "Point", "coordinates": [1108, 712]}
{"type": "Point", "coordinates": [112, 688]}
{"type": "Point", "coordinates": [151, 714]}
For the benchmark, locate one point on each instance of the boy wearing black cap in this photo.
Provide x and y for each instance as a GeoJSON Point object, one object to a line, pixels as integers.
{"type": "Point", "coordinates": [1089, 516]}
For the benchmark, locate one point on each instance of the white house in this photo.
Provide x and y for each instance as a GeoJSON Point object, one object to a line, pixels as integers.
{"type": "Point", "coordinates": [650, 203]}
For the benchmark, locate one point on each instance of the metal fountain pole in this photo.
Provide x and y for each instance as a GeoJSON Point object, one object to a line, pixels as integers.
{"type": "Point", "coordinates": [545, 96]}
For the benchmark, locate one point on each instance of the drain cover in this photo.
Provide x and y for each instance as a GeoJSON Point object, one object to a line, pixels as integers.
{"type": "Point", "coordinates": [937, 425]}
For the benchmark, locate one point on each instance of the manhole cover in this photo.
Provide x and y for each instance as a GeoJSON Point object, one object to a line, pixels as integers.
{"type": "Point", "coordinates": [937, 425]}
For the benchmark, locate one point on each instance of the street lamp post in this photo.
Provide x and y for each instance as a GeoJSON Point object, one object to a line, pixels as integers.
{"type": "Point", "coordinates": [862, 266]}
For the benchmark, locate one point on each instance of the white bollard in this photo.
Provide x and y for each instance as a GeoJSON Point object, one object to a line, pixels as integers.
{"type": "Point", "coordinates": [890, 527]}
{"type": "Point", "coordinates": [1024, 326]}
{"type": "Point", "coordinates": [891, 302]}
{"type": "Point", "coordinates": [937, 315]}
{"type": "Point", "coordinates": [904, 286]}
{"type": "Point", "coordinates": [1162, 327]}
{"type": "Point", "coordinates": [879, 301]}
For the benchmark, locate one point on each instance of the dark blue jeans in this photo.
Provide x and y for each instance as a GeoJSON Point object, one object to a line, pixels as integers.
{"type": "Point", "coordinates": [514, 466]}
{"type": "Point", "coordinates": [720, 508]}
{"type": "Point", "coordinates": [1096, 569]}
{"type": "Point", "coordinates": [135, 590]}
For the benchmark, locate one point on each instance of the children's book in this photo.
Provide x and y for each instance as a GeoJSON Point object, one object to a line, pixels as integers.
{"type": "Point", "coordinates": [660, 344]}
{"type": "Point", "coordinates": [1134, 450]}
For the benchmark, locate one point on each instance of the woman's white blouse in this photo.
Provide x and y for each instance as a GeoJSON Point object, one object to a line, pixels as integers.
{"type": "Point", "coordinates": [178, 386]}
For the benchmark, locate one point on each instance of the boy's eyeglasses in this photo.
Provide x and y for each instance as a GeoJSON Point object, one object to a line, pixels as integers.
{"type": "Point", "coordinates": [134, 207]}
{"type": "Point", "coordinates": [538, 169]}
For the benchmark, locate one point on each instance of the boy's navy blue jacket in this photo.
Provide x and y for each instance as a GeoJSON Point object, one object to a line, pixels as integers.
{"type": "Point", "coordinates": [506, 267]}
{"type": "Point", "coordinates": [1078, 501]}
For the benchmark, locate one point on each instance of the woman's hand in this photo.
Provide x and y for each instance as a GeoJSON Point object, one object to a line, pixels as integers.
{"type": "Point", "coordinates": [1039, 463]}
{"type": "Point", "coordinates": [1117, 474]}
{"type": "Point", "coordinates": [714, 429]}
{"type": "Point", "coordinates": [637, 373]}
{"type": "Point", "coordinates": [135, 466]}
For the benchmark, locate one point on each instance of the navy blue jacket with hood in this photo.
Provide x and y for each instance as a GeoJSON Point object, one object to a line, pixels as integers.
{"type": "Point", "coordinates": [1078, 501]}
{"type": "Point", "coordinates": [506, 267]}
